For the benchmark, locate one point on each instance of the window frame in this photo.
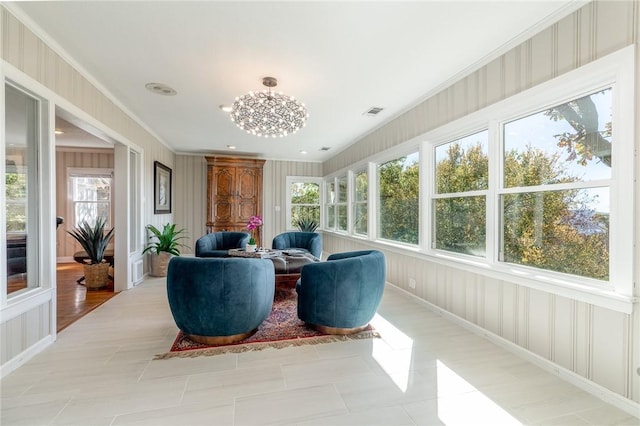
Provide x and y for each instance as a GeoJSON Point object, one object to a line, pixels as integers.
{"type": "Point", "coordinates": [434, 196]}
{"type": "Point", "coordinates": [616, 70]}
{"type": "Point", "coordinates": [354, 203]}
{"type": "Point", "coordinates": [374, 184]}
{"type": "Point", "coordinates": [289, 205]}
{"type": "Point", "coordinates": [73, 172]}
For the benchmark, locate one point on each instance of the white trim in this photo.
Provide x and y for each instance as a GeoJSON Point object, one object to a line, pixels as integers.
{"type": "Point", "coordinates": [305, 179]}
{"type": "Point", "coordinates": [608, 396]}
{"type": "Point", "coordinates": [25, 302]}
{"type": "Point", "coordinates": [617, 70]}
{"type": "Point", "coordinates": [24, 356]}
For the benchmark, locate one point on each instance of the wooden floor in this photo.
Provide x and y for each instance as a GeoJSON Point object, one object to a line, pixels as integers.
{"type": "Point", "coordinates": [74, 301]}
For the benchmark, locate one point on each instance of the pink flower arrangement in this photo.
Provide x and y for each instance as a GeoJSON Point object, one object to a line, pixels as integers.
{"type": "Point", "coordinates": [254, 223]}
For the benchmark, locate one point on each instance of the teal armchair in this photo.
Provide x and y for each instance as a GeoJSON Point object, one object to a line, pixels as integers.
{"type": "Point", "coordinates": [341, 295]}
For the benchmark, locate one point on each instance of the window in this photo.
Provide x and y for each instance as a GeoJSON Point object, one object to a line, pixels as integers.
{"type": "Point", "coordinates": [461, 183]}
{"type": "Point", "coordinates": [303, 201]}
{"type": "Point", "coordinates": [360, 216]}
{"type": "Point", "coordinates": [555, 201]}
{"type": "Point", "coordinates": [23, 113]}
{"type": "Point", "coordinates": [398, 192]}
{"type": "Point", "coordinates": [337, 203]}
{"type": "Point", "coordinates": [90, 191]}
{"type": "Point", "coordinates": [342, 203]}
{"type": "Point", "coordinates": [331, 204]}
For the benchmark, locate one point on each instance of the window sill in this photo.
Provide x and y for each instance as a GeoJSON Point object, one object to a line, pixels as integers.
{"type": "Point", "coordinates": [535, 279]}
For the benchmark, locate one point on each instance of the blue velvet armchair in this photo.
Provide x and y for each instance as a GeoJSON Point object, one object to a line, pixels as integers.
{"type": "Point", "coordinates": [220, 300]}
{"type": "Point", "coordinates": [341, 295]}
{"type": "Point", "coordinates": [218, 244]}
{"type": "Point", "coordinates": [310, 242]}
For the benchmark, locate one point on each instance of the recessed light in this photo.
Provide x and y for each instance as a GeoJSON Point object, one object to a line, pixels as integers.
{"type": "Point", "coordinates": [225, 108]}
{"type": "Point", "coordinates": [302, 151]}
{"type": "Point", "coordinates": [231, 146]}
{"type": "Point", "coordinates": [58, 132]}
{"type": "Point", "coordinates": [160, 89]}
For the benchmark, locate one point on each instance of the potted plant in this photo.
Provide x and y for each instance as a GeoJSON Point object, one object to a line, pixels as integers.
{"type": "Point", "coordinates": [94, 241]}
{"type": "Point", "coordinates": [255, 222]}
{"type": "Point", "coordinates": [306, 224]}
{"type": "Point", "coordinates": [163, 248]}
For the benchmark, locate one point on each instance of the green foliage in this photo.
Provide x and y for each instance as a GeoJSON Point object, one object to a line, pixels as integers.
{"type": "Point", "coordinates": [167, 240]}
{"type": "Point", "coordinates": [399, 191]}
{"type": "Point", "coordinates": [306, 225]}
{"type": "Point", "coordinates": [93, 240]}
{"type": "Point", "coordinates": [553, 230]}
{"type": "Point", "coordinates": [16, 194]}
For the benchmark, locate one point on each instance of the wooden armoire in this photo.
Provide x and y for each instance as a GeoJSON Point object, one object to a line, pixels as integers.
{"type": "Point", "coordinates": [234, 193]}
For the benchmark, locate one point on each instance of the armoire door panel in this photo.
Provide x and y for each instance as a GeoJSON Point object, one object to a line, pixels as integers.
{"type": "Point", "coordinates": [223, 212]}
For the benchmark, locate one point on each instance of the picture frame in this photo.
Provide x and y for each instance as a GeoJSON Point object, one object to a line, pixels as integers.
{"type": "Point", "coordinates": [161, 188]}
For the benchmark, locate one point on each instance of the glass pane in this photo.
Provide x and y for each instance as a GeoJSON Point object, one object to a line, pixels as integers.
{"type": "Point", "coordinates": [92, 189]}
{"type": "Point", "coordinates": [305, 193]}
{"type": "Point", "coordinates": [460, 225]}
{"type": "Point", "coordinates": [331, 217]}
{"type": "Point", "coordinates": [21, 117]}
{"type": "Point", "coordinates": [331, 192]}
{"type": "Point", "coordinates": [567, 143]}
{"type": "Point", "coordinates": [304, 212]}
{"type": "Point", "coordinates": [463, 165]}
{"type": "Point", "coordinates": [342, 217]}
{"type": "Point", "coordinates": [361, 186]}
{"type": "Point", "coordinates": [342, 189]}
{"type": "Point", "coordinates": [360, 218]}
{"type": "Point", "coordinates": [89, 212]}
{"type": "Point", "coordinates": [398, 199]}
{"type": "Point", "coordinates": [563, 231]}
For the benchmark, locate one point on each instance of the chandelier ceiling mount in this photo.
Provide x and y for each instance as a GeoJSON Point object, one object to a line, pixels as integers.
{"type": "Point", "coordinates": [268, 113]}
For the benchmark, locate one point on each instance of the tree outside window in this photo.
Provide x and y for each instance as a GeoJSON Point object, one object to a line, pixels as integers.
{"type": "Point", "coordinates": [360, 209]}
{"type": "Point", "coordinates": [305, 202]}
{"type": "Point", "coordinates": [557, 170]}
{"type": "Point", "coordinates": [398, 211]}
{"type": "Point", "coordinates": [461, 181]}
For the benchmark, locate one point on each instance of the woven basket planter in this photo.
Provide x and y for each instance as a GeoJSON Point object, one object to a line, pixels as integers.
{"type": "Point", "coordinates": [96, 276]}
{"type": "Point", "coordinates": [160, 264]}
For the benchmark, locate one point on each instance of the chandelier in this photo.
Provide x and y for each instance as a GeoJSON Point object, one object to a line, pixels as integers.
{"type": "Point", "coordinates": [267, 113]}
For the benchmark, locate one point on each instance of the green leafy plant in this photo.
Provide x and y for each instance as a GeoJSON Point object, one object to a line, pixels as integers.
{"type": "Point", "coordinates": [167, 240]}
{"type": "Point", "coordinates": [306, 225]}
{"type": "Point", "coordinates": [93, 239]}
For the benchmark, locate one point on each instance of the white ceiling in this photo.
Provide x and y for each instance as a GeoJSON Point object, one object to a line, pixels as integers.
{"type": "Point", "coordinates": [339, 58]}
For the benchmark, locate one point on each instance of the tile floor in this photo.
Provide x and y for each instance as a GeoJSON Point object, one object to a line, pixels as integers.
{"type": "Point", "coordinates": [425, 371]}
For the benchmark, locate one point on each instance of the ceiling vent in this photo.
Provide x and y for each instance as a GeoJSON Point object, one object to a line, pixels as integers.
{"type": "Point", "coordinates": [373, 111]}
{"type": "Point", "coordinates": [325, 148]}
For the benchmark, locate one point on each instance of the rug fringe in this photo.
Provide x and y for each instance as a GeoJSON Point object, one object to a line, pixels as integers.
{"type": "Point", "coordinates": [278, 344]}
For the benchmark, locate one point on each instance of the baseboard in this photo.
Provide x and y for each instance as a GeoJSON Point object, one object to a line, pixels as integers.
{"type": "Point", "coordinates": [608, 396]}
{"type": "Point", "coordinates": [24, 356]}
{"type": "Point", "coordinates": [65, 260]}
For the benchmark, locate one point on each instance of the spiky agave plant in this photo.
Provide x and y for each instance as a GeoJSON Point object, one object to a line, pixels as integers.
{"type": "Point", "coordinates": [93, 239]}
{"type": "Point", "coordinates": [166, 240]}
{"type": "Point", "coordinates": [306, 225]}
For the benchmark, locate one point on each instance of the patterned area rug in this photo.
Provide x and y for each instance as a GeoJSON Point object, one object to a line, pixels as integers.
{"type": "Point", "coordinates": [281, 329]}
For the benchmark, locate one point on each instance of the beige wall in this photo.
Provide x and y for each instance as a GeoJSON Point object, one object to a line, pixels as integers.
{"type": "Point", "coordinates": [191, 195]}
{"type": "Point", "coordinates": [597, 344]}
{"type": "Point", "coordinates": [24, 332]}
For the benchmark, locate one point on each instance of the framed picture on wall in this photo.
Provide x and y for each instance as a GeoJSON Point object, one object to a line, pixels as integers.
{"type": "Point", "coordinates": [161, 188]}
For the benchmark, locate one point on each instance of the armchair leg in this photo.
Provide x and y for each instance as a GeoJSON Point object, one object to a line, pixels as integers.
{"type": "Point", "coordinates": [337, 330]}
